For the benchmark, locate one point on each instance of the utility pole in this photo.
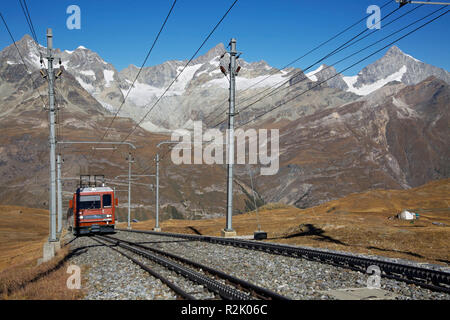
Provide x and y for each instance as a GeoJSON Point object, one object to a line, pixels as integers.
{"type": "Point", "coordinates": [130, 161]}
{"type": "Point", "coordinates": [58, 165]}
{"type": "Point", "coordinates": [157, 228]}
{"type": "Point", "coordinates": [228, 231]}
{"type": "Point", "coordinates": [51, 95]}
{"type": "Point", "coordinates": [52, 244]}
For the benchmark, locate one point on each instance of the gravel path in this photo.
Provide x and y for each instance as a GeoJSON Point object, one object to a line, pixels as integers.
{"type": "Point", "coordinates": [109, 275]}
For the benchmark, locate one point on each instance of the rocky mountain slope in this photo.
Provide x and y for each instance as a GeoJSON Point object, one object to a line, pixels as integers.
{"type": "Point", "coordinates": [396, 137]}
{"type": "Point", "coordinates": [333, 141]}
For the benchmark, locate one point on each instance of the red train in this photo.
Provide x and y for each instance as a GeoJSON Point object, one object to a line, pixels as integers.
{"type": "Point", "coordinates": [92, 209]}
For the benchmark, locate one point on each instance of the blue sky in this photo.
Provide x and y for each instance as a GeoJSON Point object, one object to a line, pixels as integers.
{"type": "Point", "coordinates": [122, 32]}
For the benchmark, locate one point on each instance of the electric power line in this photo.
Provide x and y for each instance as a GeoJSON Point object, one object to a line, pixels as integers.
{"type": "Point", "coordinates": [279, 85]}
{"type": "Point", "coordinates": [378, 41]}
{"type": "Point", "coordinates": [26, 12]}
{"type": "Point", "coordinates": [301, 72]}
{"type": "Point", "coordinates": [341, 60]}
{"type": "Point", "coordinates": [23, 61]}
{"type": "Point", "coordinates": [356, 63]}
{"type": "Point", "coordinates": [137, 75]}
{"type": "Point", "coordinates": [140, 69]}
{"type": "Point", "coordinates": [175, 79]}
{"type": "Point", "coordinates": [309, 52]}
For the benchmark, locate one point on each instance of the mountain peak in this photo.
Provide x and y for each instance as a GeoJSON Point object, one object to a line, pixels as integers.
{"type": "Point", "coordinates": [216, 51]}
{"type": "Point", "coordinates": [394, 50]}
{"type": "Point", "coordinates": [219, 49]}
{"type": "Point", "coordinates": [26, 37]}
{"type": "Point", "coordinates": [26, 40]}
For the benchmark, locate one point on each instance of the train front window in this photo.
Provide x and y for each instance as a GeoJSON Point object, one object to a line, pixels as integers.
{"type": "Point", "coordinates": [107, 201]}
{"type": "Point", "coordinates": [90, 202]}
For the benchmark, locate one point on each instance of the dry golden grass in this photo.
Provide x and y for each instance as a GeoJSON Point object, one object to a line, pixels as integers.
{"type": "Point", "coordinates": [23, 231]}
{"type": "Point", "coordinates": [356, 223]}
{"type": "Point", "coordinates": [48, 281]}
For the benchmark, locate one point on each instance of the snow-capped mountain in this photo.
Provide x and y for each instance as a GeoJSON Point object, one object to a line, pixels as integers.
{"type": "Point", "coordinates": [201, 91]}
{"type": "Point", "coordinates": [395, 65]}
{"type": "Point", "coordinates": [95, 75]}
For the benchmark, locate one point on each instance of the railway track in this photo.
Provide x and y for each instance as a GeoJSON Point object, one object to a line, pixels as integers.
{"type": "Point", "coordinates": [435, 280]}
{"type": "Point", "coordinates": [233, 289]}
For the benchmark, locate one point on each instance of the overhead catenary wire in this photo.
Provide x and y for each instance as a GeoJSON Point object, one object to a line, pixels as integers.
{"type": "Point", "coordinates": [174, 80]}
{"type": "Point", "coordinates": [59, 127]}
{"type": "Point", "coordinates": [289, 64]}
{"type": "Point", "coordinates": [140, 69]}
{"type": "Point", "coordinates": [273, 72]}
{"type": "Point", "coordinates": [351, 66]}
{"type": "Point", "coordinates": [182, 70]}
{"type": "Point", "coordinates": [343, 59]}
{"type": "Point", "coordinates": [343, 46]}
{"type": "Point", "coordinates": [326, 56]}
{"type": "Point", "coordinates": [36, 87]}
{"type": "Point", "coordinates": [354, 64]}
{"type": "Point", "coordinates": [137, 75]}
{"type": "Point", "coordinates": [26, 12]}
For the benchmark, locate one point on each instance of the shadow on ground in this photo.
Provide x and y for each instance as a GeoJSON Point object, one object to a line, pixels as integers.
{"type": "Point", "coordinates": [311, 230]}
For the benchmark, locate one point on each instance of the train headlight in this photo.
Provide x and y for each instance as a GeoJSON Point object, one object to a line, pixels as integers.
{"type": "Point", "coordinates": [81, 217]}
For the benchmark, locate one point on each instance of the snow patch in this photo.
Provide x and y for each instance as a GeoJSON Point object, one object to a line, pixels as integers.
{"type": "Point", "coordinates": [350, 81]}
{"type": "Point", "coordinates": [107, 106]}
{"type": "Point", "coordinates": [215, 62]}
{"type": "Point", "coordinates": [88, 87]}
{"type": "Point", "coordinates": [365, 90]}
{"type": "Point", "coordinates": [35, 60]}
{"type": "Point", "coordinates": [244, 83]}
{"type": "Point", "coordinates": [187, 75]}
{"type": "Point", "coordinates": [311, 75]}
{"type": "Point", "coordinates": [89, 73]}
{"type": "Point", "coordinates": [109, 77]}
{"type": "Point", "coordinates": [411, 57]}
{"type": "Point", "coordinates": [143, 93]}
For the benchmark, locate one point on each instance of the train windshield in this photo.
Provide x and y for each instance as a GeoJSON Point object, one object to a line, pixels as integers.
{"type": "Point", "coordinates": [90, 202]}
{"type": "Point", "coordinates": [107, 201]}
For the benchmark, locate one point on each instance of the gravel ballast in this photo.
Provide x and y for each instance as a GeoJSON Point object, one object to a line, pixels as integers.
{"type": "Point", "coordinates": [112, 276]}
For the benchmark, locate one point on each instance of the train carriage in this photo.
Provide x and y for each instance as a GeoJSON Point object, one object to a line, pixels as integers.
{"type": "Point", "coordinates": [92, 210]}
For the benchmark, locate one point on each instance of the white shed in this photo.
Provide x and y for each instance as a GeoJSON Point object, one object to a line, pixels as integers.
{"type": "Point", "coordinates": [406, 215]}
